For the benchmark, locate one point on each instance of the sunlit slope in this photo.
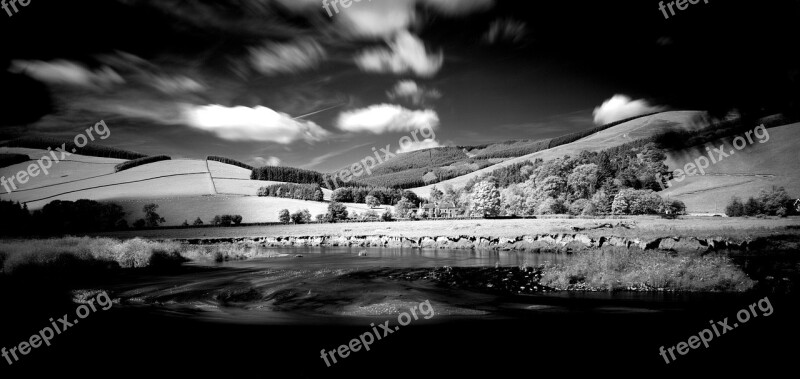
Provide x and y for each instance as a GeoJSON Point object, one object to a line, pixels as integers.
{"type": "Point", "coordinates": [623, 133]}
{"type": "Point", "coordinates": [775, 162]}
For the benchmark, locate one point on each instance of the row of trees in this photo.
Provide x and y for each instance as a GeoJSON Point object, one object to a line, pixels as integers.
{"type": "Point", "coordinates": [288, 175]}
{"type": "Point", "coordinates": [310, 192]}
{"type": "Point", "coordinates": [60, 217]}
{"type": "Point", "coordinates": [775, 202]}
{"type": "Point", "coordinates": [94, 150]}
{"type": "Point", "coordinates": [381, 195]}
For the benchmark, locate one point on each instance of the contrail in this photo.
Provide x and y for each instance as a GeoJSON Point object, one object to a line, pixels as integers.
{"type": "Point", "coordinates": [319, 111]}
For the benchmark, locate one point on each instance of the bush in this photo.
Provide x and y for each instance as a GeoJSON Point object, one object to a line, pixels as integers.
{"type": "Point", "coordinates": [372, 201]}
{"type": "Point", "coordinates": [284, 216]}
{"type": "Point", "coordinates": [370, 215]}
{"type": "Point", "coordinates": [229, 161]}
{"type": "Point", "coordinates": [301, 217]}
{"type": "Point", "coordinates": [336, 212]}
{"type": "Point", "coordinates": [577, 207]}
{"type": "Point", "coordinates": [775, 202]}
{"type": "Point", "coordinates": [387, 216]}
{"type": "Point", "coordinates": [227, 220]}
{"type": "Point", "coordinates": [636, 202]}
{"type": "Point", "coordinates": [140, 162]}
{"type": "Point", "coordinates": [735, 208]}
{"type": "Point", "coordinates": [673, 209]}
{"type": "Point", "coordinates": [198, 222]}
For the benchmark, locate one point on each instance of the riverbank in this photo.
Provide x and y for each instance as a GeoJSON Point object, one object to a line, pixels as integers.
{"type": "Point", "coordinates": [733, 229]}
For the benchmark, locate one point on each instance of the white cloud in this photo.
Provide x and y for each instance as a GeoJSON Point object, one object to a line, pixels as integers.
{"type": "Point", "coordinates": [621, 107]}
{"type": "Point", "coordinates": [271, 161]}
{"type": "Point", "coordinates": [67, 73]}
{"type": "Point", "coordinates": [251, 124]}
{"type": "Point", "coordinates": [281, 58]}
{"type": "Point", "coordinates": [421, 145]}
{"type": "Point", "coordinates": [176, 84]}
{"type": "Point", "coordinates": [383, 118]}
{"type": "Point", "coordinates": [410, 91]}
{"type": "Point", "coordinates": [406, 53]}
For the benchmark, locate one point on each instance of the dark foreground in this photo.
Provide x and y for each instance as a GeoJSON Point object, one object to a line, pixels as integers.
{"type": "Point", "coordinates": [524, 335]}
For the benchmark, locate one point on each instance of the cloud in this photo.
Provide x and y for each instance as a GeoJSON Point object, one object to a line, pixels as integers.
{"type": "Point", "coordinates": [281, 58]}
{"type": "Point", "coordinates": [62, 72]}
{"type": "Point", "coordinates": [621, 107]}
{"type": "Point", "coordinates": [406, 53]}
{"type": "Point", "coordinates": [385, 18]}
{"type": "Point", "coordinates": [271, 161]}
{"type": "Point", "coordinates": [176, 84]}
{"type": "Point", "coordinates": [251, 124]}
{"type": "Point", "coordinates": [506, 30]}
{"type": "Point", "coordinates": [410, 91]}
{"type": "Point", "coordinates": [421, 145]}
{"type": "Point", "coordinates": [383, 118]}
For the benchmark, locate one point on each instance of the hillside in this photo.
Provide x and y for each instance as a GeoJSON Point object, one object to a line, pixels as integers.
{"type": "Point", "coordinates": [643, 127]}
{"type": "Point", "coordinates": [743, 174]}
{"type": "Point", "coordinates": [183, 188]}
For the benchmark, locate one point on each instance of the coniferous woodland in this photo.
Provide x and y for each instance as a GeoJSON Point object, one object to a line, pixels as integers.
{"type": "Point", "coordinates": [140, 162]}
{"type": "Point", "coordinates": [229, 161]}
{"type": "Point", "coordinates": [92, 149]}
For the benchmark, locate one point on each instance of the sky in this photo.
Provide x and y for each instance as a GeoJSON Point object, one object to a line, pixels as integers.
{"type": "Point", "coordinates": [287, 82]}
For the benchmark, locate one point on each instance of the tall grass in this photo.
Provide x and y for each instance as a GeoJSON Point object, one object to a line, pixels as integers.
{"type": "Point", "coordinates": [616, 268]}
{"type": "Point", "coordinates": [19, 256]}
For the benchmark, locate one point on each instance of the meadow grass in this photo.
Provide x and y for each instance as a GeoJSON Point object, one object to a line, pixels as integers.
{"type": "Point", "coordinates": [18, 256]}
{"type": "Point", "coordinates": [616, 268]}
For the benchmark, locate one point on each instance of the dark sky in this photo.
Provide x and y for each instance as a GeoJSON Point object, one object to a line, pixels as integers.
{"type": "Point", "coordinates": [268, 81]}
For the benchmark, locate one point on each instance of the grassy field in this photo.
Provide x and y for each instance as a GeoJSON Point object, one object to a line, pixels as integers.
{"type": "Point", "coordinates": [641, 227]}
{"type": "Point", "coordinates": [252, 209]}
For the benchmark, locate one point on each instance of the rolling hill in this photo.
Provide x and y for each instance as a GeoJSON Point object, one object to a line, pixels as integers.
{"type": "Point", "coordinates": [184, 189]}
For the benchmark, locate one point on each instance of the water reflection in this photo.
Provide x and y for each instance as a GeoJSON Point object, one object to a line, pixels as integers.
{"type": "Point", "coordinates": [349, 258]}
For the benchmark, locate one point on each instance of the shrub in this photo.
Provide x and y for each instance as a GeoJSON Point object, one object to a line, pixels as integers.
{"type": "Point", "coordinates": [735, 208]}
{"type": "Point", "coordinates": [152, 219]}
{"type": "Point", "coordinates": [198, 222]}
{"type": "Point", "coordinates": [301, 217]}
{"type": "Point", "coordinates": [229, 161]}
{"type": "Point", "coordinates": [577, 207]}
{"type": "Point", "coordinates": [140, 162]}
{"type": "Point", "coordinates": [284, 216]}
{"type": "Point", "coordinates": [370, 215]}
{"type": "Point", "coordinates": [387, 216]}
{"type": "Point", "coordinates": [636, 202]}
{"type": "Point", "coordinates": [227, 220]}
{"type": "Point", "coordinates": [336, 212]}
{"type": "Point", "coordinates": [372, 201]}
